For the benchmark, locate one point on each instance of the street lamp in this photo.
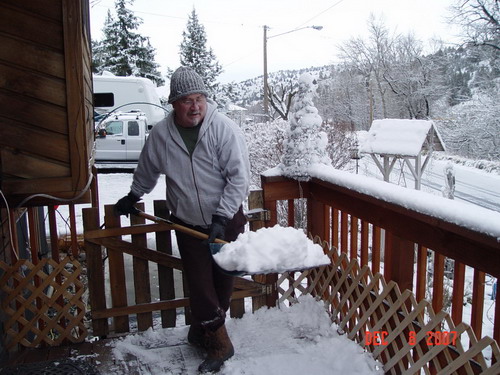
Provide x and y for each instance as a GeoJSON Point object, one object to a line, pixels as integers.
{"type": "Point", "coordinates": [266, 87]}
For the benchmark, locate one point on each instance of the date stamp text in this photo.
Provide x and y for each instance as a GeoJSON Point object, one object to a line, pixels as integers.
{"type": "Point", "coordinates": [432, 338]}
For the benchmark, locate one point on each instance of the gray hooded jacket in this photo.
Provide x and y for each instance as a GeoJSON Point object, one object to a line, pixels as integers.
{"type": "Point", "coordinates": [215, 179]}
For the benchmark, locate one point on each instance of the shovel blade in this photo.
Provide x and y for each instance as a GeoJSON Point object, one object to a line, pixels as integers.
{"type": "Point", "coordinates": [214, 249]}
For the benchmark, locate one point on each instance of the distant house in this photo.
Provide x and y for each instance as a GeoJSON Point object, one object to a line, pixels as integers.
{"type": "Point", "coordinates": [235, 112]}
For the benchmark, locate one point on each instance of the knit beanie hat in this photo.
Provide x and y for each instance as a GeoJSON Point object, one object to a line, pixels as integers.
{"type": "Point", "coordinates": [185, 81]}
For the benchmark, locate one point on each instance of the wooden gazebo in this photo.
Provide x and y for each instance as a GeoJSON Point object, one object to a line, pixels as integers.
{"type": "Point", "coordinates": [412, 141]}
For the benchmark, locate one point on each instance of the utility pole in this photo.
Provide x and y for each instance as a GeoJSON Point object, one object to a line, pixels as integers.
{"type": "Point", "coordinates": [266, 87]}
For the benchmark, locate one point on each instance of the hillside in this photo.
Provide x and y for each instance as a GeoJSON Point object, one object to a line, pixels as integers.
{"type": "Point", "coordinates": [248, 93]}
{"type": "Point", "coordinates": [463, 71]}
{"type": "Point", "coordinates": [459, 88]}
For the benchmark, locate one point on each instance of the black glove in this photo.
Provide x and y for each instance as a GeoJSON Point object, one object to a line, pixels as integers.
{"type": "Point", "coordinates": [125, 205]}
{"type": "Point", "coordinates": [217, 228]}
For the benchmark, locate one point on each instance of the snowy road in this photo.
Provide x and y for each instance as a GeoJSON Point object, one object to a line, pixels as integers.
{"type": "Point", "coordinates": [472, 185]}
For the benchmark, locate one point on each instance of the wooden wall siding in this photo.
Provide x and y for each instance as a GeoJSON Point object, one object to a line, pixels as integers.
{"type": "Point", "coordinates": [46, 111]}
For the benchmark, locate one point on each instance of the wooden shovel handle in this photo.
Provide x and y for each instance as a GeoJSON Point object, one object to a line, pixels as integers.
{"type": "Point", "coordinates": [174, 226]}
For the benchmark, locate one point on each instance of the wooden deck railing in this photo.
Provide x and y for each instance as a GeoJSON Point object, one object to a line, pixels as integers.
{"type": "Point", "coordinates": [393, 239]}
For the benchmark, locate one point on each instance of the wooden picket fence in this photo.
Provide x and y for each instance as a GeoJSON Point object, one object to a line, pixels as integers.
{"type": "Point", "coordinates": [112, 306]}
{"type": "Point", "coordinates": [406, 336]}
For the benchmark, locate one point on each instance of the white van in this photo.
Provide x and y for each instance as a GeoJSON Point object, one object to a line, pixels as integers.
{"type": "Point", "coordinates": [123, 93]}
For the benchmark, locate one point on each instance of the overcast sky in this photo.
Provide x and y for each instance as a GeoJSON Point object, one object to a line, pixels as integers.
{"type": "Point", "coordinates": [234, 28]}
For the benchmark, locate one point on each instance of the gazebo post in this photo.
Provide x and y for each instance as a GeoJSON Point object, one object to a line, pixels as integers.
{"type": "Point", "coordinates": [418, 171]}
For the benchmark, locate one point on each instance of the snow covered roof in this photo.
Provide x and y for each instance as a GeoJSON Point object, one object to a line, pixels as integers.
{"type": "Point", "coordinates": [234, 107]}
{"type": "Point", "coordinates": [401, 137]}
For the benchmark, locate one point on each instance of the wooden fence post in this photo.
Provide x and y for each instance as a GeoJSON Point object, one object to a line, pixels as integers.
{"type": "Point", "coordinates": [256, 201]}
{"type": "Point", "coordinates": [95, 273]}
{"type": "Point", "coordinates": [316, 218]}
{"type": "Point", "coordinates": [142, 286]}
{"type": "Point", "coordinates": [477, 300]}
{"type": "Point", "coordinates": [271, 279]}
{"type": "Point", "coordinates": [376, 241]}
{"type": "Point", "coordinates": [165, 274]}
{"type": "Point", "coordinates": [117, 280]}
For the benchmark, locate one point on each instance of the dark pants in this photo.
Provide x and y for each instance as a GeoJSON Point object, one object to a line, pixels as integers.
{"type": "Point", "coordinates": [210, 289]}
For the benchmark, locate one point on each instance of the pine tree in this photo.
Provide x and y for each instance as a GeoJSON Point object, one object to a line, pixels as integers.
{"type": "Point", "coordinates": [195, 54]}
{"type": "Point", "coordinates": [123, 51]}
{"type": "Point", "coordinates": [97, 56]}
{"type": "Point", "coordinates": [305, 144]}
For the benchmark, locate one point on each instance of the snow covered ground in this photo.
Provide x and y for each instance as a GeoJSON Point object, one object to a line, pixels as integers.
{"type": "Point", "coordinates": [294, 340]}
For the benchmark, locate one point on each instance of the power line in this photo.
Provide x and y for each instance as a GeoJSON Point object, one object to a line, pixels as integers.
{"type": "Point", "coordinates": [178, 17]}
{"type": "Point", "coordinates": [320, 13]}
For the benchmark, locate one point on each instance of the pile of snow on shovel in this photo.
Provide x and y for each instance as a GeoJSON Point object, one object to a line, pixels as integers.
{"type": "Point", "coordinates": [271, 250]}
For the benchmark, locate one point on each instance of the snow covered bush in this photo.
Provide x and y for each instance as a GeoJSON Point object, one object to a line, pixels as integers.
{"type": "Point", "coordinates": [470, 129]}
{"type": "Point", "coordinates": [306, 144]}
{"type": "Point", "coordinates": [265, 143]}
{"type": "Point", "coordinates": [293, 146]}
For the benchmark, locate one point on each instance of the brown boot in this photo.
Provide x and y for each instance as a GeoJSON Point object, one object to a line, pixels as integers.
{"type": "Point", "coordinates": [219, 350]}
{"type": "Point", "coordinates": [197, 337]}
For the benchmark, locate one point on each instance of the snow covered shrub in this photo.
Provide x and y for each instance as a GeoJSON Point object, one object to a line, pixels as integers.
{"type": "Point", "coordinates": [305, 144]}
{"type": "Point", "coordinates": [470, 129]}
{"type": "Point", "coordinates": [265, 143]}
{"type": "Point", "coordinates": [294, 146]}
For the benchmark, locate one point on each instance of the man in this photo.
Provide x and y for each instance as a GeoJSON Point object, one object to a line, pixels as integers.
{"type": "Point", "coordinates": [204, 157]}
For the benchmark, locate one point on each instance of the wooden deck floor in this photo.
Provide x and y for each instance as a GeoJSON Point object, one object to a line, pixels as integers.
{"type": "Point", "coordinates": [98, 358]}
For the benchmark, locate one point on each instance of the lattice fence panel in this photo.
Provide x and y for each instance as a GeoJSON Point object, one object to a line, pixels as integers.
{"type": "Point", "coordinates": [408, 337]}
{"type": "Point", "coordinates": [43, 303]}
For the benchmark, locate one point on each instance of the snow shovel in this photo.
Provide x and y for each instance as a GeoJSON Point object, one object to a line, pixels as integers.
{"type": "Point", "coordinates": [215, 247]}
{"type": "Point", "coordinates": [219, 244]}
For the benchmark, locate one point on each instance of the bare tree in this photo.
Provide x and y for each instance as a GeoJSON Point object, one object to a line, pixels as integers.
{"type": "Point", "coordinates": [280, 98]}
{"type": "Point", "coordinates": [471, 128]}
{"type": "Point", "coordinates": [368, 58]}
{"type": "Point", "coordinates": [479, 20]}
{"type": "Point", "coordinates": [343, 99]}
{"type": "Point", "coordinates": [408, 75]}
{"type": "Point", "coordinates": [265, 142]}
